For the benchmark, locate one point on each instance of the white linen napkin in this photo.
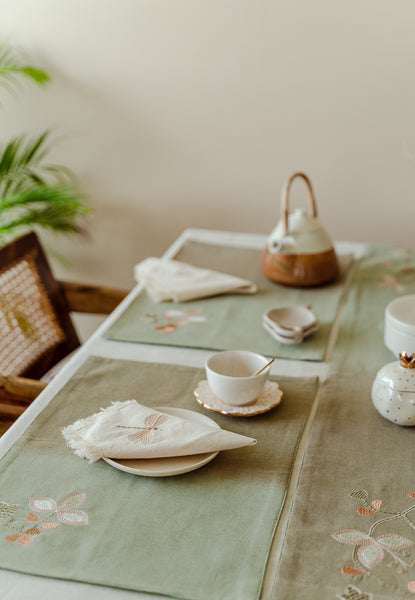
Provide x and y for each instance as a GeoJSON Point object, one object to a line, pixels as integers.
{"type": "Point", "coordinates": [131, 430]}
{"type": "Point", "coordinates": [173, 280]}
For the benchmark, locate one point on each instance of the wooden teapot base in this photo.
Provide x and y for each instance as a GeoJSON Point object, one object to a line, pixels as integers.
{"type": "Point", "coordinates": [300, 270]}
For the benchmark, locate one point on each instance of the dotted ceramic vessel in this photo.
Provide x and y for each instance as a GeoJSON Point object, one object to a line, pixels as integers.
{"type": "Point", "coordinates": [393, 390]}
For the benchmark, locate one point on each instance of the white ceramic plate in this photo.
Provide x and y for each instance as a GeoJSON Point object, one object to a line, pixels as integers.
{"type": "Point", "coordinates": [174, 465]}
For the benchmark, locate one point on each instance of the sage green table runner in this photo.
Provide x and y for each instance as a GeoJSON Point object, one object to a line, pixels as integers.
{"type": "Point", "coordinates": [231, 321]}
{"type": "Point", "coordinates": [197, 536]}
{"type": "Point", "coordinates": [352, 529]}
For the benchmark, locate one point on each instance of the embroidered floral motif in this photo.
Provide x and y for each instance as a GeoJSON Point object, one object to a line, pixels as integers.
{"type": "Point", "coordinates": [399, 271]}
{"type": "Point", "coordinates": [173, 318]}
{"type": "Point", "coordinates": [145, 434]}
{"type": "Point", "coordinates": [353, 593]}
{"type": "Point", "coordinates": [390, 281]}
{"type": "Point", "coordinates": [370, 550]}
{"type": "Point", "coordinates": [65, 512]}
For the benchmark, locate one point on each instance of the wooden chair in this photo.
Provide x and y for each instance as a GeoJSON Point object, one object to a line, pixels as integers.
{"type": "Point", "coordinates": [36, 330]}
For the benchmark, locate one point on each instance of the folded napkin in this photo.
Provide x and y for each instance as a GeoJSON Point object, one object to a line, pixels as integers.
{"type": "Point", "coordinates": [131, 430]}
{"type": "Point", "coordinates": [173, 280]}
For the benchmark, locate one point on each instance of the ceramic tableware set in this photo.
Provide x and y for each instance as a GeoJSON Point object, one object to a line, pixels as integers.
{"type": "Point", "coordinates": [393, 390]}
{"type": "Point", "coordinates": [298, 253]}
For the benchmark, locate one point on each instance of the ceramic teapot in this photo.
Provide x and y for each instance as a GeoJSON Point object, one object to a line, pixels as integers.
{"type": "Point", "coordinates": [393, 390]}
{"type": "Point", "coordinates": [299, 251]}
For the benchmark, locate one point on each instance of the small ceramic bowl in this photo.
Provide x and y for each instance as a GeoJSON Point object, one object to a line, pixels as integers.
{"type": "Point", "coordinates": [230, 376]}
{"type": "Point", "coordinates": [399, 332]}
{"type": "Point", "coordinates": [290, 324]}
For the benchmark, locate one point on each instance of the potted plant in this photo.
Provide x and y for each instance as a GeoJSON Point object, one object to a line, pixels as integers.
{"type": "Point", "coordinates": [33, 193]}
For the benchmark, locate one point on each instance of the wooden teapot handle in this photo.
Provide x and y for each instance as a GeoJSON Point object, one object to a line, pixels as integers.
{"type": "Point", "coordinates": [285, 197]}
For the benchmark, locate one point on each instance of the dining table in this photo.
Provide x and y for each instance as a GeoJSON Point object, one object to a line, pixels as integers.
{"type": "Point", "coordinates": [322, 507]}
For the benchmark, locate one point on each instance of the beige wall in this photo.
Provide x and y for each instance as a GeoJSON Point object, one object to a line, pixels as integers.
{"type": "Point", "coordinates": [192, 113]}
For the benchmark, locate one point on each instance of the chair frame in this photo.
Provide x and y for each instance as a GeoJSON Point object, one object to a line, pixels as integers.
{"type": "Point", "coordinates": [13, 253]}
{"type": "Point", "coordinates": [16, 393]}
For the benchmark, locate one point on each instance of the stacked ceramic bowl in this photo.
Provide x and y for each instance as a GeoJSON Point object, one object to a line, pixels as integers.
{"type": "Point", "coordinates": [290, 324]}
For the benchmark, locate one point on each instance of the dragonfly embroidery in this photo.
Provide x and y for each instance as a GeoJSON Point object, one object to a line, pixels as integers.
{"type": "Point", "coordinates": [145, 434]}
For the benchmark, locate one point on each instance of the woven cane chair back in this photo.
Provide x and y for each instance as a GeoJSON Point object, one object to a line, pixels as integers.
{"type": "Point", "coordinates": [36, 330]}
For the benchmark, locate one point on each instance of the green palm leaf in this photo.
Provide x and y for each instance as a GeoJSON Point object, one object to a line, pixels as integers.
{"type": "Point", "coordinates": [13, 67]}
{"type": "Point", "coordinates": [33, 193]}
{"type": "Point", "coordinates": [57, 208]}
{"type": "Point", "coordinates": [21, 164]}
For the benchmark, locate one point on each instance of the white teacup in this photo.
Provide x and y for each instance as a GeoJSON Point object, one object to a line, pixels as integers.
{"type": "Point", "coordinates": [230, 376]}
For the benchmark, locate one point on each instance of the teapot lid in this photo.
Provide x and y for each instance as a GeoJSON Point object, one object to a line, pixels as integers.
{"type": "Point", "coordinates": [300, 221]}
{"type": "Point", "coordinates": [399, 375]}
{"type": "Point", "coordinates": [305, 235]}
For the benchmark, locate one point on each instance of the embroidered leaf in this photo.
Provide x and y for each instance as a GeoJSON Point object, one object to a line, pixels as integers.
{"type": "Point", "coordinates": [360, 494]}
{"type": "Point", "coordinates": [7, 511]}
{"type": "Point", "coordinates": [43, 504]}
{"type": "Point", "coordinates": [365, 511]}
{"type": "Point", "coordinates": [350, 536]}
{"type": "Point", "coordinates": [32, 517]}
{"type": "Point", "coordinates": [370, 555]}
{"type": "Point", "coordinates": [73, 517]}
{"type": "Point", "coordinates": [13, 537]}
{"type": "Point", "coordinates": [393, 541]}
{"type": "Point", "coordinates": [33, 531]}
{"type": "Point", "coordinates": [50, 525]}
{"type": "Point", "coordinates": [25, 540]}
{"type": "Point", "coordinates": [173, 313]}
{"type": "Point", "coordinates": [377, 504]}
{"type": "Point", "coordinates": [197, 319]}
{"type": "Point", "coordinates": [72, 500]}
{"type": "Point", "coordinates": [411, 587]}
{"type": "Point", "coordinates": [353, 593]}
{"type": "Point", "coordinates": [351, 571]}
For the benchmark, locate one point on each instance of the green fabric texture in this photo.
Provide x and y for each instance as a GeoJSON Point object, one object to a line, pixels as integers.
{"type": "Point", "coordinates": [197, 536]}
{"type": "Point", "coordinates": [358, 471]}
{"type": "Point", "coordinates": [230, 322]}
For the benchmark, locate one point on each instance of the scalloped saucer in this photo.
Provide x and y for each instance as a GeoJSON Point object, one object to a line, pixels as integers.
{"type": "Point", "coordinates": [270, 397]}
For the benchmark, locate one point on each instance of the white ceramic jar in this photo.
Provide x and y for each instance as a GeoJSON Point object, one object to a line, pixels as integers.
{"type": "Point", "coordinates": [399, 332]}
{"type": "Point", "coordinates": [393, 390]}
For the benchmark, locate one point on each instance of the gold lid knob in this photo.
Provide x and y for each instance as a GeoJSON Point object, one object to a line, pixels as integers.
{"type": "Point", "coordinates": [407, 361]}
